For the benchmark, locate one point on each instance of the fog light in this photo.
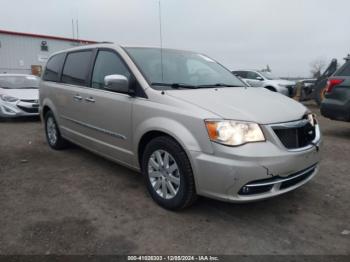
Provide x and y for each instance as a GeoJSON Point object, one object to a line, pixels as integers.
{"type": "Point", "coordinates": [245, 190]}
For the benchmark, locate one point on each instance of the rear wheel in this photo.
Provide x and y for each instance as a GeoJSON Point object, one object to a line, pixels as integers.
{"type": "Point", "coordinates": [53, 135]}
{"type": "Point", "coordinates": [168, 174]}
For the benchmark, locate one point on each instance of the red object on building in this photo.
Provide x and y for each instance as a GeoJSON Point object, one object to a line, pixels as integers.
{"type": "Point", "coordinates": [47, 37]}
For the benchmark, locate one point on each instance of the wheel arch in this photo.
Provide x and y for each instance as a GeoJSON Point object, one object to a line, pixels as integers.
{"type": "Point", "coordinates": [154, 127]}
{"type": "Point", "coordinates": [146, 138]}
{"type": "Point", "coordinates": [271, 88]}
{"type": "Point", "coordinates": [45, 109]}
{"type": "Point", "coordinates": [47, 106]}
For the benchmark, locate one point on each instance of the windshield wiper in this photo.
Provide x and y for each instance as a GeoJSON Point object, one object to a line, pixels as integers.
{"type": "Point", "coordinates": [181, 85]}
{"type": "Point", "coordinates": [218, 85]}
{"type": "Point", "coordinates": [176, 85]}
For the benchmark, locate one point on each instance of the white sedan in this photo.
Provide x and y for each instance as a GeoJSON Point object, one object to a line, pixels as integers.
{"type": "Point", "coordinates": [19, 95]}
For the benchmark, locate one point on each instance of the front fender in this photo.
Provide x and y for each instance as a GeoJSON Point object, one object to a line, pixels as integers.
{"type": "Point", "coordinates": [48, 103]}
{"type": "Point", "coordinates": [174, 129]}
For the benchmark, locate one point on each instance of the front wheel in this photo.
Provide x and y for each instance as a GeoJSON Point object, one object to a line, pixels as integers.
{"type": "Point", "coordinates": [168, 174]}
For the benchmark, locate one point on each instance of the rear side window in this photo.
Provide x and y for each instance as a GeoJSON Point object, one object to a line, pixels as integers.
{"type": "Point", "coordinates": [345, 71]}
{"type": "Point", "coordinates": [76, 68]}
{"type": "Point", "coordinates": [242, 74]}
{"type": "Point", "coordinates": [252, 75]}
{"type": "Point", "coordinates": [107, 63]}
{"type": "Point", "coordinates": [53, 68]}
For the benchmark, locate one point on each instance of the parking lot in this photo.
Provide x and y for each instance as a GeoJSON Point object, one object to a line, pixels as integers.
{"type": "Point", "coordinates": [74, 202]}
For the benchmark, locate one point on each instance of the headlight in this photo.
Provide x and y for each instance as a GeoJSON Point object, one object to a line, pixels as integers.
{"type": "Point", "coordinates": [312, 119]}
{"type": "Point", "coordinates": [234, 133]}
{"type": "Point", "coordinates": [282, 85]}
{"type": "Point", "coordinates": [7, 98]}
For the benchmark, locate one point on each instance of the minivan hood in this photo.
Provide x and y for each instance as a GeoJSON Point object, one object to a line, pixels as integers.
{"type": "Point", "coordinates": [249, 104]}
{"type": "Point", "coordinates": [22, 94]}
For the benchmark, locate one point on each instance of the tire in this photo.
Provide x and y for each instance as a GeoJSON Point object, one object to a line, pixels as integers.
{"type": "Point", "coordinates": [53, 135]}
{"type": "Point", "coordinates": [180, 180]}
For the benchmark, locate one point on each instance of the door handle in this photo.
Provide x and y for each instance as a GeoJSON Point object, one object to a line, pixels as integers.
{"type": "Point", "coordinates": [90, 99]}
{"type": "Point", "coordinates": [77, 97]}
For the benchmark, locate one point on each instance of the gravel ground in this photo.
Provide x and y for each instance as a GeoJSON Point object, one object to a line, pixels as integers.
{"type": "Point", "coordinates": [74, 202]}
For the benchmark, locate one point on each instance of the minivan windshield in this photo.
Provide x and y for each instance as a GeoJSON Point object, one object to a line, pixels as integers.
{"type": "Point", "coordinates": [173, 69]}
{"type": "Point", "coordinates": [19, 82]}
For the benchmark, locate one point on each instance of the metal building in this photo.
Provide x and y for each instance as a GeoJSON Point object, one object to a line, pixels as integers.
{"type": "Point", "coordinates": [27, 53]}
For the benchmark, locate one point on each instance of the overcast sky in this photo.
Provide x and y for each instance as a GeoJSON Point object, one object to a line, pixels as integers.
{"type": "Point", "coordinates": [286, 34]}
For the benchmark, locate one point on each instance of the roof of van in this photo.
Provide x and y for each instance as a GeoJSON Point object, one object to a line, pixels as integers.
{"type": "Point", "coordinates": [109, 45]}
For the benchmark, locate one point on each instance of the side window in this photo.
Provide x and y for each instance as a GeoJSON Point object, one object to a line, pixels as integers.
{"type": "Point", "coordinates": [345, 71]}
{"type": "Point", "coordinates": [252, 75]}
{"type": "Point", "coordinates": [53, 68]}
{"type": "Point", "coordinates": [107, 63]}
{"type": "Point", "coordinates": [76, 68]}
{"type": "Point", "coordinates": [242, 74]}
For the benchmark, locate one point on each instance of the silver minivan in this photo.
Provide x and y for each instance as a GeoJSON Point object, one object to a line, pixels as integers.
{"type": "Point", "coordinates": [180, 118]}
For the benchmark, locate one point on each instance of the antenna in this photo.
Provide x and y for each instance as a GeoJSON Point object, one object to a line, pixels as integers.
{"type": "Point", "coordinates": [161, 38]}
{"type": "Point", "coordinates": [77, 21]}
{"type": "Point", "coordinates": [73, 29]}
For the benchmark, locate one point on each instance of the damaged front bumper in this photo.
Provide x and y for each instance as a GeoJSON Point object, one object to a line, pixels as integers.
{"type": "Point", "coordinates": [254, 171]}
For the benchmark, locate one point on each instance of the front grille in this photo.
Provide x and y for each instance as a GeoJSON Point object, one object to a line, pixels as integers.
{"type": "Point", "coordinates": [296, 137]}
{"type": "Point", "coordinates": [32, 110]}
{"type": "Point", "coordinates": [265, 185]}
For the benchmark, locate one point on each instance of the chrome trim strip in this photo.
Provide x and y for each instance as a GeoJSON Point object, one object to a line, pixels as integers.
{"type": "Point", "coordinates": [282, 180]}
{"type": "Point", "coordinates": [293, 124]}
{"type": "Point", "coordinates": [95, 128]}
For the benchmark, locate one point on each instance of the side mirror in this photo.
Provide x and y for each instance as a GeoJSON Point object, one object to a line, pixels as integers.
{"type": "Point", "coordinates": [117, 83]}
{"type": "Point", "coordinates": [259, 78]}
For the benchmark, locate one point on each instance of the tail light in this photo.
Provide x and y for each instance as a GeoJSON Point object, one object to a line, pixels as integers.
{"type": "Point", "coordinates": [331, 83]}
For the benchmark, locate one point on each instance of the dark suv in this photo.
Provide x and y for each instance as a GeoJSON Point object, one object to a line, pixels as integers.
{"type": "Point", "coordinates": [336, 104]}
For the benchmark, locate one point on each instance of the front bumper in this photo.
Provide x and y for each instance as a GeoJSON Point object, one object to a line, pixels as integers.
{"type": "Point", "coordinates": [18, 109]}
{"type": "Point", "coordinates": [224, 174]}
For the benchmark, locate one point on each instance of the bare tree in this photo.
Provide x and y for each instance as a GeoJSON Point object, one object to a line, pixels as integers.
{"type": "Point", "coordinates": [317, 67]}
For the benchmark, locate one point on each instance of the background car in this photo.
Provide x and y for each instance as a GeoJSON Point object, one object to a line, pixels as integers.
{"type": "Point", "coordinates": [336, 104]}
{"type": "Point", "coordinates": [19, 95]}
{"type": "Point", "coordinates": [267, 80]}
{"type": "Point", "coordinates": [319, 87]}
{"type": "Point", "coordinates": [304, 89]}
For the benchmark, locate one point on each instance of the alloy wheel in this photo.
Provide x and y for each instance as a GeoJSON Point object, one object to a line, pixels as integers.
{"type": "Point", "coordinates": [51, 130]}
{"type": "Point", "coordinates": [164, 174]}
